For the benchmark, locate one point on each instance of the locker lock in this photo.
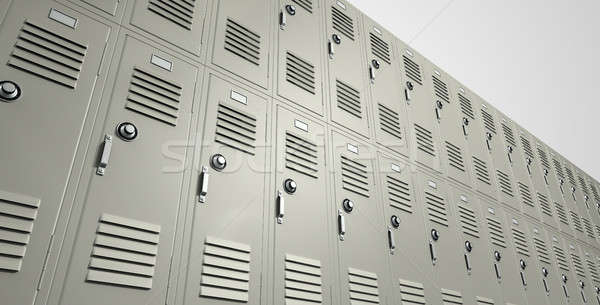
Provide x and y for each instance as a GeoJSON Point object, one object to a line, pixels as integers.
{"type": "Point", "coordinates": [336, 38]}
{"type": "Point", "coordinates": [544, 271]}
{"type": "Point", "coordinates": [581, 284]}
{"type": "Point", "coordinates": [510, 149]}
{"type": "Point", "coordinates": [489, 136]}
{"type": "Point", "coordinates": [375, 63]}
{"type": "Point", "coordinates": [409, 85]}
{"type": "Point", "coordinates": [395, 221]}
{"type": "Point", "coordinates": [597, 290]}
{"type": "Point", "coordinates": [439, 104]}
{"type": "Point", "coordinates": [127, 131]}
{"type": "Point", "coordinates": [218, 162]}
{"type": "Point", "coordinates": [290, 186]}
{"type": "Point", "coordinates": [522, 264]}
{"type": "Point", "coordinates": [348, 205]}
{"type": "Point", "coordinates": [497, 256]}
{"type": "Point", "coordinates": [468, 246]}
{"type": "Point", "coordinates": [545, 172]}
{"type": "Point", "coordinates": [290, 9]}
{"type": "Point", "coordinates": [561, 181]}
{"type": "Point", "coordinates": [435, 234]}
{"type": "Point", "coordinates": [564, 278]}
{"type": "Point", "coordinates": [9, 91]}
{"type": "Point", "coordinates": [466, 122]}
{"type": "Point", "coordinates": [529, 161]}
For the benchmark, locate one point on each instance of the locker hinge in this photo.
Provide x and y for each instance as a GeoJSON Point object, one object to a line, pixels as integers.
{"type": "Point", "coordinates": [43, 273]}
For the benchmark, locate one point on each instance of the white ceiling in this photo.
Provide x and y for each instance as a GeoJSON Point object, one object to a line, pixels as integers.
{"type": "Point", "coordinates": [537, 61]}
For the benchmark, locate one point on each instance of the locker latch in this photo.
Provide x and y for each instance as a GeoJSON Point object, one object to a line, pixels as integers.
{"type": "Point", "coordinates": [407, 91]}
{"type": "Point", "coordinates": [105, 157]}
{"type": "Point", "coordinates": [280, 207]}
{"type": "Point", "coordinates": [465, 125]}
{"type": "Point", "coordinates": [341, 225]}
{"type": "Point", "coordinates": [391, 240]}
{"type": "Point", "coordinates": [203, 189]}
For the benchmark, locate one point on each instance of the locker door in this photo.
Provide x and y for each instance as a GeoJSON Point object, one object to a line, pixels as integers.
{"type": "Point", "coordinates": [226, 238]}
{"type": "Point", "coordinates": [500, 257]}
{"type": "Point", "coordinates": [410, 266]}
{"type": "Point", "coordinates": [303, 270]}
{"type": "Point", "coordinates": [300, 69]}
{"type": "Point", "coordinates": [594, 205]}
{"type": "Point", "coordinates": [348, 98]}
{"type": "Point", "coordinates": [472, 127]}
{"type": "Point", "coordinates": [568, 281]}
{"type": "Point", "coordinates": [474, 248]}
{"type": "Point", "coordinates": [362, 237]}
{"type": "Point", "coordinates": [178, 22]}
{"type": "Point", "coordinates": [242, 39]}
{"type": "Point", "coordinates": [386, 94]}
{"type": "Point", "coordinates": [451, 122]}
{"type": "Point", "coordinates": [546, 268]}
{"type": "Point", "coordinates": [442, 242]}
{"type": "Point", "coordinates": [424, 136]}
{"type": "Point", "coordinates": [591, 265]}
{"type": "Point", "coordinates": [590, 206]}
{"type": "Point", "coordinates": [530, 277]}
{"type": "Point", "coordinates": [584, 289]}
{"type": "Point", "coordinates": [49, 72]}
{"type": "Point", "coordinates": [575, 190]}
{"type": "Point", "coordinates": [124, 242]}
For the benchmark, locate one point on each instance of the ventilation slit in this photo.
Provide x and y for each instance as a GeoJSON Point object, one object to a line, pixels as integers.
{"type": "Point", "coordinates": [424, 140]}
{"type": "Point", "coordinates": [496, 232]}
{"type": "Point", "coordinates": [542, 250]}
{"type": "Point", "coordinates": [363, 287]}
{"type": "Point", "coordinates": [589, 228]}
{"type": "Point", "coordinates": [468, 220]}
{"type": "Point", "coordinates": [399, 194]}
{"type": "Point", "coordinates": [342, 23]}
{"type": "Point", "coordinates": [236, 129]}
{"type": "Point", "coordinates": [451, 297]}
{"type": "Point", "coordinates": [411, 292]}
{"type": "Point", "coordinates": [466, 107]}
{"type": "Point", "coordinates": [527, 147]}
{"type": "Point", "coordinates": [305, 4]}
{"type": "Point", "coordinates": [17, 216]}
{"type": "Point", "coordinates": [242, 42]}
{"type": "Point", "coordinates": [526, 197]}
{"type": "Point", "coordinates": [413, 70]}
{"type": "Point", "coordinates": [576, 221]}
{"type": "Point", "coordinates": [562, 214]}
{"type": "Point", "coordinates": [509, 135]}
{"type": "Point", "coordinates": [570, 175]}
{"type": "Point", "coordinates": [300, 72]}
{"type": "Point", "coordinates": [561, 258]}
{"type": "Point", "coordinates": [302, 280]}
{"type": "Point", "coordinates": [592, 268]}
{"type": "Point", "coordinates": [380, 48]}
{"type": "Point", "coordinates": [455, 158]}
{"type": "Point", "coordinates": [520, 242]}
{"type": "Point", "coordinates": [441, 89]}
{"type": "Point", "coordinates": [484, 301]}
{"type": "Point", "coordinates": [558, 168]}
{"type": "Point", "coordinates": [545, 205]}
{"type": "Point", "coordinates": [301, 155]}
{"type": "Point", "coordinates": [505, 183]}
{"type": "Point", "coordinates": [389, 121]}
{"type": "Point", "coordinates": [180, 12]}
{"type": "Point", "coordinates": [354, 177]}
{"type": "Point", "coordinates": [543, 158]}
{"type": "Point", "coordinates": [154, 97]}
{"type": "Point", "coordinates": [481, 171]}
{"type": "Point", "coordinates": [436, 208]}
{"type": "Point", "coordinates": [348, 99]}
{"type": "Point", "coordinates": [488, 121]}
{"type": "Point", "coordinates": [578, 264]}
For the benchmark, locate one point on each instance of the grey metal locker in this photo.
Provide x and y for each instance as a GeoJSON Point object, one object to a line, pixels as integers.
{"type": "Point", "coordinates": [576, 191]}
{"type": "Point", "coordinates": [51, 58]}
{"type": "Point", "coordinates": [591, 265]}
{"type": "Point", "coordinates": [409, 264]}
{"type": "Point", "coordinates": [362, 236]}
{"type": "Point", "coordinates": [522, 247]}
{"type": "Point", "coordinates": [386, 95]}
{"type": "Point", "coordinates": [349, 103]}
{"type": "Point", "coordinates": [178, 22]}
{"type": "Point", "coordinates": [594, 204]}
{"type": "Point", "coordinates": [562, 260]}
{"type": "Point", "coordinates": [500, 257]}
{"type": "Point", "coordinates": [299, 54]}
{"type": "Point", "coordinates": [125, 234]}
{"type": "Point", "coordinates": [584, 289]}
{"type": "Point", "coordinates": [303, 269]}
{"type": "Point", "coordinates": [451, 122]}
{"type": "Point", "coordinates": [442, 243]}
{"type": "Point", "coordinates": [421, 107]}
{"type": "Point", "coordinates": [546, 268]}
{"type": "Point", "coordinates": [225, 243]}
{"type": "Point", "coordinates": [242, 39]}
{"type": "Point", "coordinates": [592, 209]}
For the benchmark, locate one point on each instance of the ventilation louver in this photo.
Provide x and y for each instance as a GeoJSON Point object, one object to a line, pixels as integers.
{"type": "Point", "coordinates": [558, 168]}
{"type": "Point", "coordinates": [496, 232]}
{"type": "Point", "coordinates": [593, 269]}
{"type": "Point", "coordinates": [578, 265]}
{"type": "Point", "coordinates": [544, 204]}
{"type": "Point", "coordinates": [303, 281]}
{"type": "Point", "coordinates": [484, 301]}
{"type": "Point", "coordinates": [520, 242]}
{"type": "Point", "coordinates": [570, 176]}
{"type": "Point", "coordinates": [300, 73]}
{"type": "Point", "coordinates": [589, 228]}
{"type": "Point", "coordinates": [441, 89]}
{"type": "Point", "coordinates": [301, 155]}
{"type": "Point", "coordinates": [481, 171]}
{"type": "Point", "coordinates": [242, 42]}
{"type": "Point", "coordinates": [412, 70]}
{"type": "Point", "coordinates": [542, 250]}
{"type": "Point", "coordinates": [526, 197]}
{"type": "Point", "coordinates": [436, 208]}
{"type": "Point", "coordinates": [363, 287]}
{"type": "Point", "coordinates": [305, 4]}
{"type": "Point", "coordinates": [527, 147]}
{"type": "Point", "coordinates": [17, 216]}
{"type": "Point", "coordinates": [389, 121]}
{"type": "Point", "coordinates": [543, 158]}
{"type": "Point", "coordinates": [380, 48]}
{"type": "Point", "coordinates": [236, 129]}
{"type": "Point", "coordinates": [561, 258]}
{"type": "Point", "coordinates": [451, 297]}
{"type": "Point", "coordinates": [154, 97]}
{"type": "Point", "coordinates": [509, 135]}
{"type": "Point", "coordinates": [488, 121]}
{"type": "Point", "coordinates": [342, 23]}
{"type": "Point", "coordinates": [466, 107]}
{"type": "Point", "coordinates": [562, 214]}
{"type": "Point", "coordinates": [411, 292]}
{"type": "Point", "coordinates": [576, 221]}
{"type": "Point", "coordinates": [348, 99]}
{"type": "Point", "coordinates": [468, 220]}
{"type": "Point", "coordinates": [505, 183]}
{"type": "Point", "coordinates": [354, 177]}
{"type": "Point", "coordinates": [424, 140]}
{"type": "Point", "coordinates": [180, 12]}
{"type": "Point", "coordinates": [399, 194]}
{"type": "Point", "coordinates": [455, 158]}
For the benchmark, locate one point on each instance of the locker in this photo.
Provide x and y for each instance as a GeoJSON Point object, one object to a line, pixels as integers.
{"type": "Point", "coordinates": [591, 265]}
{"type": "Point", "coordinates": [421, 108]}
{"type": "Point", "coordinates": [362, 238]}
{"type": "Point", "coordinates": [51, 58]}
{"type": "Point", "coordinates": [522, 246]}
{"type": "Point", "coordinates": [441, 236]}
{"type": "Point", "coordinates": [472, 125]}
{"type": "Point", "coordinates": [568, 281]}
{"type": "Point", "coordinates": [225, 241]}
{"type": "Point", "coordinates": [174, 22]}
{"type": "Point", "coordinates": [242, 42]}
{"type": "Point", "coordinates": [349, 102]}
{"type": "Point", "coordinates": [590, 206]}
{"type": "Point", "coordinates": [576, 192]}
{"type": "Point", "coordinates": [384, 73]}
{"type": "Point", "coordinates": [124, 241]}
{"type": "Point", "coordinates": [500, 257]}
{"type": "Point", "coordinates": [451, 122]}
{"type": "Point", "coordinates": [410, 266]}
{"type": "Point", "coordinates": [594, 210]}
{"type": "Point", "coordinates": [584, 289]}
{"type": "Point", "coordinates": [303, 270]}
{"type": "Point", "coordinates": [300, 65]}
{"type": "Point", "coordinates": [546, 268]}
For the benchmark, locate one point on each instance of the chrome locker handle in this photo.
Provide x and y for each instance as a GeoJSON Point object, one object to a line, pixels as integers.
{"type": "Point", "coordinates": [432, 252]}
{"type": "Point", "coordinates": [105, 155]}
{"type": "Point", "coordinates": [467, 262]}
{"type": "Point", "coordinates": [497, 269]}
{"type": "Point", "coordinates": [331, 49]}
{"type": "Point", "coordinates": [282, 20]}
{"type": "Point", "coordinates": [203, 189]}
{"type": "Point", "coordinates": [523, 281]}
{"type": "Point", "coordinates": [546, 287]}
{"type": "Point", "coordinates": [280, 207]}
{"type": "Point", "coordinates": [392, 242]}
{"type": "Point", "coordinates": [583, 297]}
{"type": "Point", "coordinates": [341, 225]}
{"type": "Point", "coordinates": [372, 74]}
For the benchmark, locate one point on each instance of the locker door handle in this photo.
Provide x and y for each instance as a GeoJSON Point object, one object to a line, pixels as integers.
{"type": "Point", "coordinates": [546, 288]}
{"type": "Point", "coordinates": [341, 225]}
{"type": "Point", "coordinates": [510, 157]}
{"type": "Point", "coordinates": [432, 252]}
{"type": "Point", "coordinates": [497, 269]}
{"type": "Point", "coordinates": [464, 128]}
{"type": "Point", "coordinates": [565, 291]}
{"type": "Point", "coordinates": [280, 207]}
{"type": "Point", "coordinates": [282, 20]}
{"type": "Point", "coordinates": [330, 49]}
{"type": "Point", "coordinates": [583, 297]}
{"type": "Point", "coordinates": [523, 279]}
{"type": "Point", "coordinates": [467, 262]}
{"type": "Point", "coordinates": [372, 74]}
{"type": "Point", "coordinates": [203, 189]}
{"type": "Point", "coordinates": [438, 115]}
{"type": "Point", "coordinates": [391, 240]}
{"type": "Point", "coordinates": [105, 157]}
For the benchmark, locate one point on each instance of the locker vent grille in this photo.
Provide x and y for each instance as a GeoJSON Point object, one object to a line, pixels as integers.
{"type": "Point", "coordinates": [399, 194]}
{"type": "Point", "coordinates": [527, 147]}
{"type": "Point", "coordinates": [48, 55]}
{"type": "Point", "coordinates": [124, 252]}
{"type": "Point", "coordinates": [380, 48]}
{"type": "Point", "coordinates": [450, 297]}
{"type": "Point", "coordinates": [236, 129]}
{"type": "Point", "coordinates": [300, 72]}
{"type": "Point", "coordinates": [424, 140]}
{"type": "Point", "coordinates": [481, 171]}
{"type": "Point", "coordinates": [505, 184]}
{"type": "Point", "coordinates": [496, 232]}
{"type": "Point", "coordinates": [412, 70]}
{"type": "Point", "coordinates": [17, 216]}
{"type": "Point", "coordinates": [389, 121]}
{"type": "Point", "coordinates": [411, 292]}
{"type": "Point", "coordinates": [455, 158]}
{"type": "Point", "coordinates": [363, 287]}
{"type": "Point", "coordinates": [302, 280]}
{"type": "Point", "coordinates": [526, 197]}
{"type": "Point", "coordinates": [520, 242]}
{"type": "Point", "coordinates": [488, 121]}
{"type": "Point", "coordinates": [441, 89]}
{"type": "Point", "coordinates": [558, 168]}
{"type": "Point", "coordinates": [578, 265]}
{"type": "Point", "coordinates": [561, 258]}
{"type": "Point", "coordinates": [597, 227]}
{"type": "Point", "coordinates": [576, 221]}
{"type": "Point", "coordinates": [466, 106]}
{"type": "Point", "coordinates": [305, 4]}
{"type": "Point", "coordinates": [583, 185]}
{"type": "Point", "coordinates": [562, 214]}
{"type": "Point", "coordinates": [589, 228]}
{"type": "Point", "coordinates": [154, 97]}
{"type": "Point", "coordinates": [301, 155]}
{"type": "Point", "coordinates": [545, 205]}
{"type": "Point", "coordinates": [342, 23]}
{"type": "Point", "coordinates": [180, 12]}
{"type": "Point", "coordinates": [225, 270]}
{"type": "Point", "coordinates": [354, 177]}
{"type": "Point", "coordinates": [348, 99]}
{"type": "Point", "coordinates": [543, 157]}
{"type": "Point", "coordinates": [468, 220]}
{"type": "Point", "coordinates": [436, 208]}
{"type": "Point", "coordinates": [593, 271]}
{"type": "Point", "coordinates": [570, 175]}
{"type": "Point", "coordinates": [484, 301]}
{"type": "Point", "coordinates": [542, 250]}
{"type": "Point", "coordinates": [595, 192]}
{"type": "Point", "coordinates": [509, 135]}
{"type": "Point", "coordinates": [242, 42]}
